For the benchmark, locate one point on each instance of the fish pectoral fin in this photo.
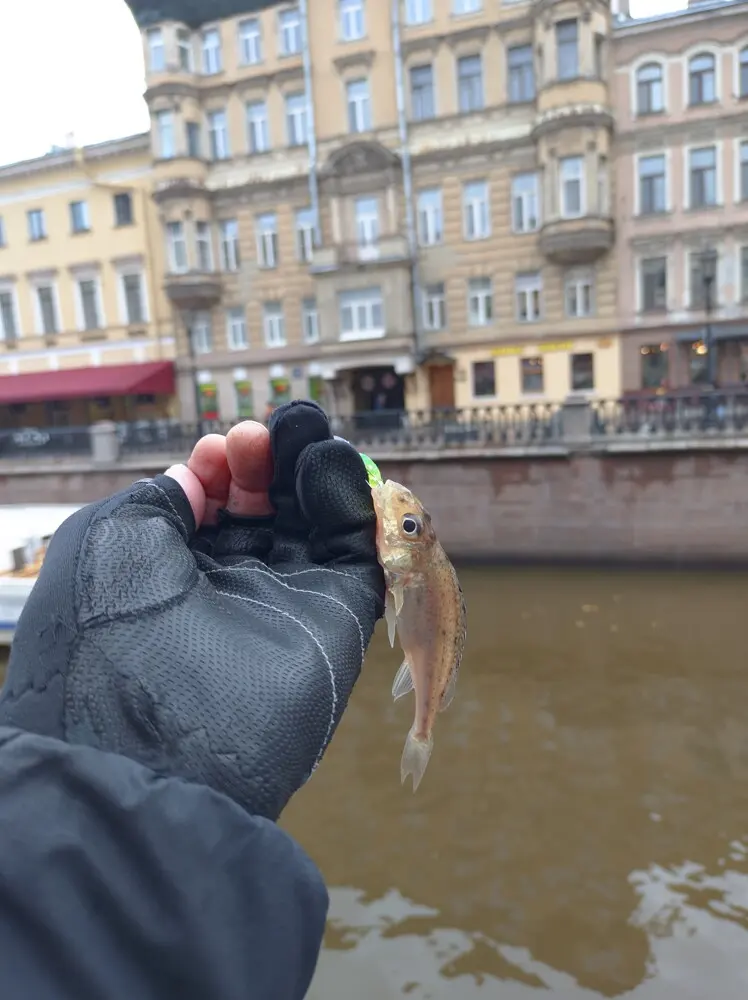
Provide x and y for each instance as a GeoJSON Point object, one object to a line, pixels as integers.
{"type": "Point", "coordinates": [403, 682]}
{"type": "Point", "coordinates": [398, 596]}
{"type": "Point", "coordinates": [416, 753]}
{"type": "Point", "coordinates": [449, 691]}
{"type": "Point", "coordinates": [390, 616]}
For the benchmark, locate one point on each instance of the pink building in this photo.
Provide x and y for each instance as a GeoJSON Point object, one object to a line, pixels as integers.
{"type": "Point", "coordinates": [680, 93]}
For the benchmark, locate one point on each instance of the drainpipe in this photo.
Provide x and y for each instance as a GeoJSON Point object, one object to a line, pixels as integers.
{"type": "Point", "coordinates": [402, 128]}
{"type": "Point", "coordinates": [306, 60]}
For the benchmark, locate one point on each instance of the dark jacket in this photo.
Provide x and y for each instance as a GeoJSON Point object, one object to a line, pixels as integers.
{"type": "Point", "coordinates": [117, 884]}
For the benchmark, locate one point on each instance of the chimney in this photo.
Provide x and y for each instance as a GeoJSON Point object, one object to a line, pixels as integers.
{"type": "Point", "coordinates": [620, 9]}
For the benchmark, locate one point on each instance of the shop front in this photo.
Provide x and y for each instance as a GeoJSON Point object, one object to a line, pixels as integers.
{"type": "Point", "coordinates": [660, 361]}
{"type": "Point", "coordinates": [79, 397]}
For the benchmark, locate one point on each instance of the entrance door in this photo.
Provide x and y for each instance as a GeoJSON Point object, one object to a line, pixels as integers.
{"type": "Point", "coordinates": [442, 387]}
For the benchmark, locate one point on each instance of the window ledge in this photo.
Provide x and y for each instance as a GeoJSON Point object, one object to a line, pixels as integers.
{"type": "Point", "coordinates": [362, 335]}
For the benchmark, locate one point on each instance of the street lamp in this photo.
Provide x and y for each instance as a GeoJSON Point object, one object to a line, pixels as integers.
{"type": "Point", "coordinates": [708, 273]}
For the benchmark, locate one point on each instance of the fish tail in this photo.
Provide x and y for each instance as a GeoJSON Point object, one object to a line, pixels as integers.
{"type": "Point", "coordinates": [415, 757]}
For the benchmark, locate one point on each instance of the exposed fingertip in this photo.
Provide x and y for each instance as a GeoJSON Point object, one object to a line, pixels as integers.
{"type": "Point", "coordinates": [192, 487]}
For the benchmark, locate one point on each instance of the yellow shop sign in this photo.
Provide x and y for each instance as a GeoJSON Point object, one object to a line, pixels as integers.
{"type": "Point", "coordinates": [500, 352]}
{"type": "Point", "coordinates": [514, 349]}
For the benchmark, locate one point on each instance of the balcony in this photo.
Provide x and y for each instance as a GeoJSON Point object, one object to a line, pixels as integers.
{"type": "Point", "coordinates": [387, 250]}
{"type": "Point", "coordinates": [577, 241]}
{"type": "Point", "coordinates": [194, 289]}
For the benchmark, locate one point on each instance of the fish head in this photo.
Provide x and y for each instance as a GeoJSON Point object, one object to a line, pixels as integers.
{"type": "Point", "coordinates": [405, 534]}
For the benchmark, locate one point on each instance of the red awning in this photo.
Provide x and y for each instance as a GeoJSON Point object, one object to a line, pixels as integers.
{"type": "Point", "coordinates": [152, 378]}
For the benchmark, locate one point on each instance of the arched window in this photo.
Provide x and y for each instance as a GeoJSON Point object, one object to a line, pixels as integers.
{"type": "Point", "coordinates": [743, 83]}
{"type": "Point", "coordinates": [650, 96]}
{"type": "Point", "coordinates": [702, 84]}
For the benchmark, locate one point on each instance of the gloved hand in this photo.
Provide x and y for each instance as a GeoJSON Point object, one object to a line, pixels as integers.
{"type": "Point", "coordinates": [202, 630]}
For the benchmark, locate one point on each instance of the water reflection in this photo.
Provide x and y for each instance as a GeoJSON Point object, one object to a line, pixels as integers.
{"type": "Point", "coordinates": [582, 828]}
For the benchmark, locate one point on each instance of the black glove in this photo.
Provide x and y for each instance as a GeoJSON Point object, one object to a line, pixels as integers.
{"type": "Point", "coordinates": [223, 655]}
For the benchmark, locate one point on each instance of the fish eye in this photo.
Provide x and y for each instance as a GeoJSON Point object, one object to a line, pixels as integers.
{"type": "Point", "coordinates": [411, 525]}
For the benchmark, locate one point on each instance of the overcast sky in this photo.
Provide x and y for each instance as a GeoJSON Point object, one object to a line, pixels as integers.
{"type": "Point", "coordinates": [55, 79]}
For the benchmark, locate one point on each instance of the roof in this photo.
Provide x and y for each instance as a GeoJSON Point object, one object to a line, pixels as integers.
{"type": "Point", "coordinates": [193, 12]}
{"type": "Point", "coordinates": [139, 143]}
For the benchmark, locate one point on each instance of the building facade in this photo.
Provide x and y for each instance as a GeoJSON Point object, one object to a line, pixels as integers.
{"type": "Point", "coordinates": [385, 205]}
{"type": "Point", "coordinates": [680, 95]}
{"type": "Point", "coordinates": [86, 332]}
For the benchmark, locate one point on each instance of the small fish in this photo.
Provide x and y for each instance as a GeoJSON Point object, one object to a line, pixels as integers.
{"type": "Point", "coordinates": [425, 606]}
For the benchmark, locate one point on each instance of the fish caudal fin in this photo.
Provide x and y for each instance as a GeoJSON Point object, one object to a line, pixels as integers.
{"type": "Point", "coordinates": [415, 757]}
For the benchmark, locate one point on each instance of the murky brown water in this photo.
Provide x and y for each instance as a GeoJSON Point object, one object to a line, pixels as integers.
{"type": "Point", "coordinates": [582, 828]}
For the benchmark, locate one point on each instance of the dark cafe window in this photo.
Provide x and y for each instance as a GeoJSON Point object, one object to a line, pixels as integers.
{"type": "Point", "coordinates": [654, 365]}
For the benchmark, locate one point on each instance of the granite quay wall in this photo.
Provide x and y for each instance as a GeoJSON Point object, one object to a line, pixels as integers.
{"type": "Point", "coordinates": [641, 501]}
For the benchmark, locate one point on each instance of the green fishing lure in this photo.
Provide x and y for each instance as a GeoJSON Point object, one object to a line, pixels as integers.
{"type": "Point", "coordinates": [372, 472]}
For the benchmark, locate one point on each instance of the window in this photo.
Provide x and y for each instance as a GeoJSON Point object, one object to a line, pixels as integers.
{"type": "Point", "coordinates": [2, 232]}
{"type": "Point", "coordinates": [476, 211]}
{"type": "Point", "coordinates": [359, 105]}
{"type": "Point", "coordinates": [228, 231]}
{"type": "Point", "coordinates": [176, 246]}
{"type": "Point", "coordinates": [698, 363]}
{"type": "Point", "coordinates": [480, 301]}
{"type": "Point", "coordinates": [201, 334]}
{"type": "Point", "coordinates": [703, 271]}
{"type": "Point", "coordinates": [165, 134]}
{"type": "Point", "coordinates": [9, 331]}
{"type": "Point", "coordinates": [650, 97]}
{"type": "Point", "coordinates": [266, 234]}
{"type": "Point", "coordinates": [258, 138]}
{"type": "Point", "coordinates": [469, 84]}
{"type": "Point", "coordinates": [743, 59]}
{"type": "Point", "coordinates": [310, 321]}
{"type": "Point", "coordinates": [582, 372]}
{"type": "Point", "coordinates": [702, 165]}
{"type": "Point", "coordinates": [88, 301]}
{"type": "Point", "coordinates": [123, 215]}
{"type": "Point", "coordinates": [274, 324]}
{"type": "Point", "coordinates": [290, 31]}
{"type": "Point", "coordinates": [571, 173]}
{"type": "Point", "coordinates": [367, 221]}
{"type": "Point", "coordinates": [654, 284]}
{"type": "Point", "coordinates": [528, 290]}
{"type": "Point", "coordinates": [46, 303]}
{"type": "Point", "coordinates": [361, 314]}
{"type": "Point", "coordinates": [218, 134]}
{"type": "Point", "coordinates": [351, 20]}
{"type": "Point", "coordinates": [744, 171]}
{"type": "Point", "coordinates": [521, 74]}
{"type": "Point", "coordinates": [484, 378]}
{"type": "Point", "coordinates": [744, 274]}
{"type": "Point", "coordinates": [466, 6]}
{"type": "Point", "coordinates": [296, 124]}
{"type": "Point", "coordinates": [654, 366]}
{"type": "Point", "coordinates": [434, 307]}
{"type": "Point", "coordinates": [430, 217]}
{"type": "Point", "coordinates": [194, 143]}
{"type": "Point", "coordinates": [702, 86]}
{"type": "Point", "coordinates": [184, 46]}
{"type": "Point", "coordinates": [156, 58]}
{"type": "Point", "coordinates": [578, 297]}
{"type": "Point", "coordinates": [305, 234]}
{"type": "Point", "coordinates": [652, 184]}
{"type": "Point", "coordinates": [236, 329]}
{"type": "Point", "coordinates": [567, 49]}
{"type": "Point", "coordinates": [599, 56]}
{"type": "Point", "coordinates": [531, 373]}
{"type": "Point", "coordinates": [250, 41]}
{"type": "Point", "coordinates": [37, 224]}
{"type": "Point", "coordinates": [203, 246]}
{"type": "Point", "coordinates": [132, 294]}
{"type": "Point", "coordinates": [418, 11]}
{"type": "Point", "coordinates": [211, 51]}
{"type": "Point", "coordinates": [525, 207]}
{"type": "Point", "coordinates": [422, 106]}
{"type": "Point", "coordinates": [79, 222]}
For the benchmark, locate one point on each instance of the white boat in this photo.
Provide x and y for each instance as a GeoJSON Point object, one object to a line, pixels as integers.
{"type": "Point", "coordinates": [23, 531]}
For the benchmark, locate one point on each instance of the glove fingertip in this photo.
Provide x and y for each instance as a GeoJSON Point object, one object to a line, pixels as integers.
{"type": "Point", "coordinates": [332, 486]}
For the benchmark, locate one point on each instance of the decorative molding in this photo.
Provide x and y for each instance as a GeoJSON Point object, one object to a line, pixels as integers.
{"type": "Point", "coordinates": [350, 60]}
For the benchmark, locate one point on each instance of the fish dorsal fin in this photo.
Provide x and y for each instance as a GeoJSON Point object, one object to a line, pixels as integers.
{"type": "Point", "coordinates": [403, 682]}
{"type": "Point", "coordinates": [449, 691]}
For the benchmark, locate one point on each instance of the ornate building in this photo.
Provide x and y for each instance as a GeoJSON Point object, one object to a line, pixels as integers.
{"type": "Point", "coordinates": [385, 204]}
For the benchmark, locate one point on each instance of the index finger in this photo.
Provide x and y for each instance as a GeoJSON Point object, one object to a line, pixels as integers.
{"type": "Point", "coordinates": [250, 462]}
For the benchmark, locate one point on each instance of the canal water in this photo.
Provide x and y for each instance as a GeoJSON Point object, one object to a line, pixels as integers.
{"type": "Point", "coordinates": [582, 828]}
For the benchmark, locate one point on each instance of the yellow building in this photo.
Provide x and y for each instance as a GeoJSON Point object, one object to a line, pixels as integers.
{"type": "Point", "coordinates": [385, 210]}
{"type": "Point", "coordinates": [86, 331]}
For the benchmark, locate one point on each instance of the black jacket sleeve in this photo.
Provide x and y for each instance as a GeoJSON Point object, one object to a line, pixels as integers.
{"type": "Point", "coordinates": [118, 884]}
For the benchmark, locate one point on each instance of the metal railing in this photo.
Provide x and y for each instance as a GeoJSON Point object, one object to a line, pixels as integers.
{"type": "Point", "coordinates": [692, 416]}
